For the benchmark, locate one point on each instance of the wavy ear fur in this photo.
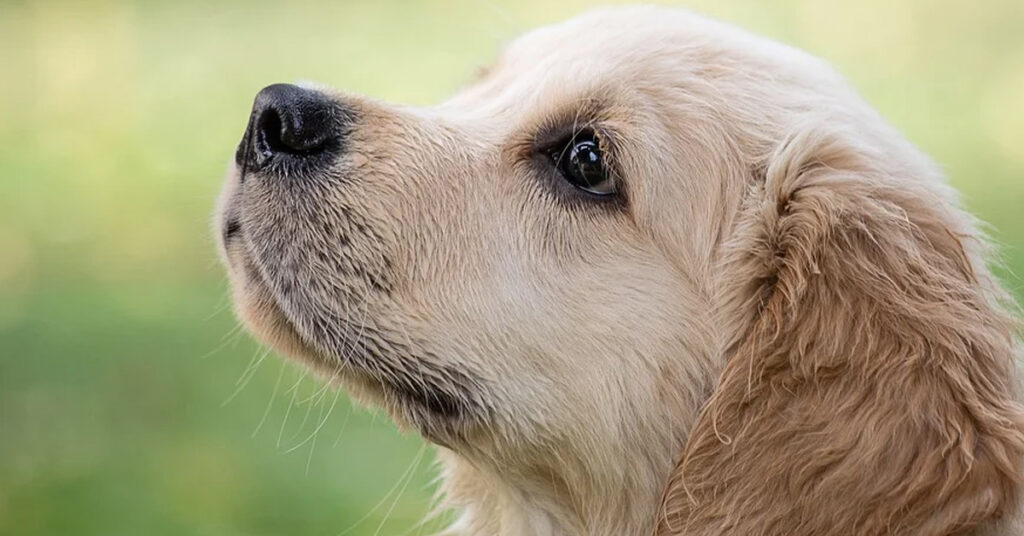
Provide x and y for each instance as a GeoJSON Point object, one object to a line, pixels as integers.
{"type": "Point", "coordinates": [872, 389]}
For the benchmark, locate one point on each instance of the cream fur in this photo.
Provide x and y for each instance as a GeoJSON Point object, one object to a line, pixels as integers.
{"type": "Point", "coordinates": [787, 327]}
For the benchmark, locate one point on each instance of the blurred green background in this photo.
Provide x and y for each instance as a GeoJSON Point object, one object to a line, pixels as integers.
{"type": "Point", "coordinates": [129, 402]}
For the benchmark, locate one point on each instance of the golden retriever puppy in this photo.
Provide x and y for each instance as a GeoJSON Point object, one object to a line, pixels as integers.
{"type": "Point", "coordinates": [648, 275]}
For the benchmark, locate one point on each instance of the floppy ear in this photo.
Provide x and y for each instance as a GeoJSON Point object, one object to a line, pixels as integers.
{"type": "Point", "coordinates": [871, 390]}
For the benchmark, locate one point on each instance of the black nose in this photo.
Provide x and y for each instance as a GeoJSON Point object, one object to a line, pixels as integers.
{"type": "Point", "coordinates": [292, 126]}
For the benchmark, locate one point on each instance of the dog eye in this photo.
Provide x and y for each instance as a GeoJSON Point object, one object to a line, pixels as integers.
{"type": "Point", "coordinates": [581, 162]}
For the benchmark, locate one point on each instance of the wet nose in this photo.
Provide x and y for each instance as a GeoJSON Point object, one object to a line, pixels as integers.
{"type": "Point", "coordinates": [291, 125]}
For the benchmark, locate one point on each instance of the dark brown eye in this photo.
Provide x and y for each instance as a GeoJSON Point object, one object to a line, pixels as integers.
{"type": "Point", "coordinates": [580, 162]}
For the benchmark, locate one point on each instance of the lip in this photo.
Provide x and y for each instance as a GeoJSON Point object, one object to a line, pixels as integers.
{"type": "Point", "coordinates": [231, 229]}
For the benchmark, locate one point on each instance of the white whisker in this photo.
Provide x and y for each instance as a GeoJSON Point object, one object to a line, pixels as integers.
{"type": "Point", "coordinates": [273, 395]}
{"type": "Point", "coordinates": [409, 470]}
{"type": "Point", "coordinates": [247, 375]}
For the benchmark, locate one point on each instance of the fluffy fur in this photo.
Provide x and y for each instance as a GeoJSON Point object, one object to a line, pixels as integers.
{"type": "Point", "coordinates": [784, 326]}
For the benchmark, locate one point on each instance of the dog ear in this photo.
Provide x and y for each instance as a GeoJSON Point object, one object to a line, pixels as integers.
{"type": "Point", "coordinates": [871, 390]}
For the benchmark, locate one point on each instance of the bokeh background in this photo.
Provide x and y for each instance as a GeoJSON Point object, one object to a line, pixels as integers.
{"type": "Point", "coordinates": [130, 403]}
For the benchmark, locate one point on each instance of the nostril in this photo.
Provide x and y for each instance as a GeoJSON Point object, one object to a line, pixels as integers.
{"type": "Point", "coordinates": [307, 128]}
{"type": "Point", "coordinates": [268, 134]}
{"type": "Point", "coordinates": [292, 131]}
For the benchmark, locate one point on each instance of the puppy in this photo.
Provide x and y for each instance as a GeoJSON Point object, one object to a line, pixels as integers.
{"type": "Point", "coordinates": [648, 275]}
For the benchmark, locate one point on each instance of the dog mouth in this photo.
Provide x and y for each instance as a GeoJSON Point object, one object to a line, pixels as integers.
{"type": "Point", "coordinates": [310, 262]}
{"type": "Point", "coordinates": [363, 351]}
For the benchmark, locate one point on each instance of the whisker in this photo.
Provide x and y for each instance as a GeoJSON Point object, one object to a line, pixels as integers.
{"type": "Point", "coordinates": [344, 424]}
{"type": "Point", "coordinates": [408, 471]}
{"type": "Point", "coordinates": [253, 365]}
{"type": "Point", "coordinates": [247, 376]}
{"type": "Point", "coordinates": [273, 395]}
{"type": "Point", "coordinates": [408, 479]}
{"type": "Point", "coordinates": [223, 303]}
{"type": "Point", "coordinates": [231, 336]}
{"type": "Point", "coordinates": [322, 420]}
{"type": "Point", "coordinates": [305, 419]}
{"type": "Point", "coordinates": [291, 403]}
{"type": "Point", "coordinates": [312, 445]}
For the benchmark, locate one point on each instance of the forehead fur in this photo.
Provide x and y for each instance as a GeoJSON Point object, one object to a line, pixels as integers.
{"type": "Point", "coordinates": [637, 47]}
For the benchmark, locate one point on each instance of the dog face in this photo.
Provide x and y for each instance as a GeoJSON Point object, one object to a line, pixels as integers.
{"type": "Point", "coordinates": [617, 246]}
{"type": "Point", "coordinates": [516, 254]}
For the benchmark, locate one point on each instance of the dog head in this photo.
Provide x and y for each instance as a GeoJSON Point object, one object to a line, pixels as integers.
{"type": "Point", "coordinates": [640, 234]}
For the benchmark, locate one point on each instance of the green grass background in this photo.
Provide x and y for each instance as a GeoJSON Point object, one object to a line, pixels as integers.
{"type": "Point", "coordinates": [119, 358]}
